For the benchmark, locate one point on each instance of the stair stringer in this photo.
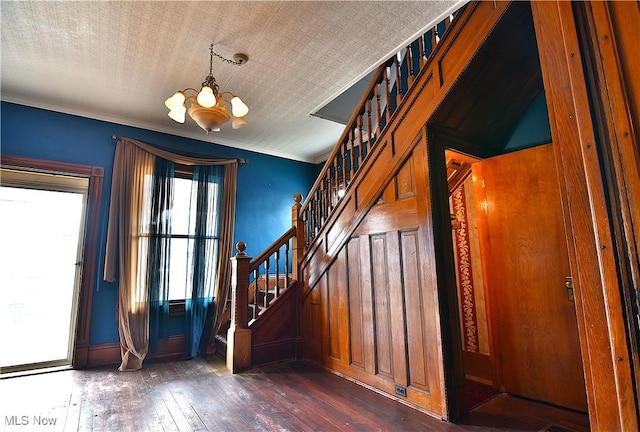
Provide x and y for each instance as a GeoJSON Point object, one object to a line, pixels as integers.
{"type": "Point", "coordinates": [274, 334]}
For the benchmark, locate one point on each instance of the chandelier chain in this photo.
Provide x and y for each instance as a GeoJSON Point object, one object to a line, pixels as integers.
{"type": "Point", "coordinates": [226, 60]}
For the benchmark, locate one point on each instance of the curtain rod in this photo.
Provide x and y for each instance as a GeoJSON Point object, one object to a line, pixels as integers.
{"type": "Point", "coordinates": [240, 160]}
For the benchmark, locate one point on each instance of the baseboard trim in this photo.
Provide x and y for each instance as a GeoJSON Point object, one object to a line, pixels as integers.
{"type": "Point", "coordinates": [109, 354]}
{"type": "Point", "coordinates": [274, 351]}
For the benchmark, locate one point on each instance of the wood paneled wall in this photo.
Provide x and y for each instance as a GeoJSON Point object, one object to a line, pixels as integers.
{"type": "Point", "coordinates": [376, 306]}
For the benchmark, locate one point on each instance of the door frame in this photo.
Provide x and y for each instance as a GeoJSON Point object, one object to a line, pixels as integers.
{"type": "Point", "coordinates": [95, 174]}
{"type": "Point", "coordinates": [595, 267]}
{"type": "Point", "coordinates": [439, 140]}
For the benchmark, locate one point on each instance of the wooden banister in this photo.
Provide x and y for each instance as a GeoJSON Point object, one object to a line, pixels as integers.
{"type": "Point", "coordinates": [265, 278]}
{"type": "Point", "coordinates": [376, 108]}
{"type": "Point", "coordinates": [375, 111]}
{"type": "Point", "coordinates": [272, 249]}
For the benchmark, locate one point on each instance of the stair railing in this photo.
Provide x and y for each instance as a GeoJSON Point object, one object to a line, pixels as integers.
{"type": "Point", "coordinates": [270, 274]}
{"type": "Point", "coordinates": [377, 106]}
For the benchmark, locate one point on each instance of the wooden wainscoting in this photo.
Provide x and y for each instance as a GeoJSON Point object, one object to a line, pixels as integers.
{"type": "Point", "coordinates": [372, 316]}
{"type": "Point", "coordinates": [274, 336]}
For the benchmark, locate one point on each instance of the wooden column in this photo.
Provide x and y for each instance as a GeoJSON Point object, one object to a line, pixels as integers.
{"type": "Point", "coordinates": [239, 335]}
{"type": "Point", "coordinates": [298, 246]}
{"type": "Point", "coordinates": [605, 351]}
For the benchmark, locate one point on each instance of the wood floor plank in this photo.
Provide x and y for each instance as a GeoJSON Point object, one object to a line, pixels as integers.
{"type": "Point", "coordinates": [201, 395]}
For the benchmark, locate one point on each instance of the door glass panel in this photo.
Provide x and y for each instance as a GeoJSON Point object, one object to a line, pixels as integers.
{"type": "Point", "coordinates": [40, 232]}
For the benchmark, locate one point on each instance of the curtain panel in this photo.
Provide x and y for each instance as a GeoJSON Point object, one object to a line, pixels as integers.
{"type": "Point", "coordinates": [140, 171]}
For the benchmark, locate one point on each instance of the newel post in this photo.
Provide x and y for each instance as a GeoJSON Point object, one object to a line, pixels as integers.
{"type": "Point", "coordinates": [239, 335]}
{"type": "Point", "coordinates": [298, 241]}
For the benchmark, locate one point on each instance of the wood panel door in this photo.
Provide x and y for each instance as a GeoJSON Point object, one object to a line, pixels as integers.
{"type": "Point", "coordinates": [526, 260]}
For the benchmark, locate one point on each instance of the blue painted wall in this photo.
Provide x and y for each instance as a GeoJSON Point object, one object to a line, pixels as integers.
{"type": "Point", "coordinates": [532, 128]}
{"type": "Point", "coordinates": [266, 184]}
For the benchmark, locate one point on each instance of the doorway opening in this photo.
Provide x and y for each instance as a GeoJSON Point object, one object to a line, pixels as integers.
{"type": "Point", "coordinates": [518, 329]}
{"type": "Point", "coordinates": [42, 231]}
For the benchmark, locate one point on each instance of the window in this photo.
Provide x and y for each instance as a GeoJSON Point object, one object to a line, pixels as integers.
{"type": "Point", "coordinates": [143, 206]}
{"type": "Point", "coordinates": [183, 232]}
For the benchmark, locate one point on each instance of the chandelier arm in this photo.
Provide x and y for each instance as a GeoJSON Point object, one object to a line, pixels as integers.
{"type": "Point", "coordinates": [190, 88]}
{"type": "Point", "coordinates": [227, 93]}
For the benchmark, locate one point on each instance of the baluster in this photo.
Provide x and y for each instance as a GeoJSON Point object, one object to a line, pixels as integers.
{"type": "Point", "coordinates": [256, 292]}
{"type": "Point", "coordinates": [314, 214]}
{"type": "Point", "coordinates": [312, 210]}
{"type": "Point", "coordinates": [321, 213]}
{"type": "Point", "coordinates": [265, 299]}
{"type": "Point", "coordinates": [311, 227]}
{"type": "Point", "coordinates": [354, 157]}
{"type": "Point", "coordinates": [334, 182]}
{"type": "Point", "coordinates": [410, 75]}
{"type": "Point", "coordinates": [370, 135]}
{"type": "Point", "coordinates": [346, 169]}
{"type": "Point", "coordinates": [318, 211]}
{"type": "Point", "coordinates": [399, 92]}
{"type": "Point", "coordinates": [339, 172]}
{"type": "Point", "coordinates": [320, 216]}
{"type": "Point", "coordinates": [277, 287]}
{"type": "Point", "coordinates": [434, 38]}
{"type": "Point", "coordinates": [286, 264]}
{"type": "Point", "coordinates": [298, 246]}
{"type": "Point", "coordinates": [442, 27]}
{"type": "Point", "coordinates": [322, 186]}
{"type": "Point", "coordinates": [327, 192]}
{"type": "Point", "coordinates": [378, 113]}
{"type": "Point", "coordinates": [361, 153]}
{"type": "Point", "coordinates": [327, 185]}
{"type": "Point", "coordinates": [387, 94]}
{"type": "Point", "coordinates": [421, 57]}
{"type": "Point", "coordinates": [307, 227]}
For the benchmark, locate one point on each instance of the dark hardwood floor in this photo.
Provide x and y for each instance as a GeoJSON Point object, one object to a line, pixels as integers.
{"type": "Point", "coordinates": [201, 395]}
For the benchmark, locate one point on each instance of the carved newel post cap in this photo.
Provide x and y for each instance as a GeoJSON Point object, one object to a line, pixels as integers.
{"type": "Point", "coordinates": [297, 198]}
{"type": "Point", "coordinates": [241, 246]}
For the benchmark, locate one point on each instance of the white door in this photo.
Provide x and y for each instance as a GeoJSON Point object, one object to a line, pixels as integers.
{"type": "Point", "coordinates": [41, 236]}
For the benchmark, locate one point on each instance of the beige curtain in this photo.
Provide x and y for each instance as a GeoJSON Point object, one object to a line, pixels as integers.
{"type": "Point", "coordinates": [223, 283]}
{"type": "Point", "coordinates": [126, 251]}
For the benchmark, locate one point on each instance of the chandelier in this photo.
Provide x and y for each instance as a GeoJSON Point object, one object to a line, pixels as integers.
{"type": "Point", "coordinates": [209, 107]}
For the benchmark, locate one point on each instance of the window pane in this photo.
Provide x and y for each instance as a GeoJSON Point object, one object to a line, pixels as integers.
{"type": "Point", "coordinates": [178, 269]}
{"type": "Point", "coordinates": [183, 221]}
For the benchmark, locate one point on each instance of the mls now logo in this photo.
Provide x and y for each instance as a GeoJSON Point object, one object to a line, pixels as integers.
{"type": "Point", "coordinates": [36, 420]}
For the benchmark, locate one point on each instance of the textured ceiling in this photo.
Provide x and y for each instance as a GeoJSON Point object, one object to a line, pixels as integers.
{"type": "Point", "coordinates": [118, 61]}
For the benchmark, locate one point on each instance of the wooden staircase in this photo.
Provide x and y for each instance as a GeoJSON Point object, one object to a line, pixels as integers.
{"type": "Point", "coordinates": [245, 337]}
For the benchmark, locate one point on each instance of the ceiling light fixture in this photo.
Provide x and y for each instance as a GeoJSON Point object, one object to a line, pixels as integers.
{"type": "Point", "coordinates": [208, 107]}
